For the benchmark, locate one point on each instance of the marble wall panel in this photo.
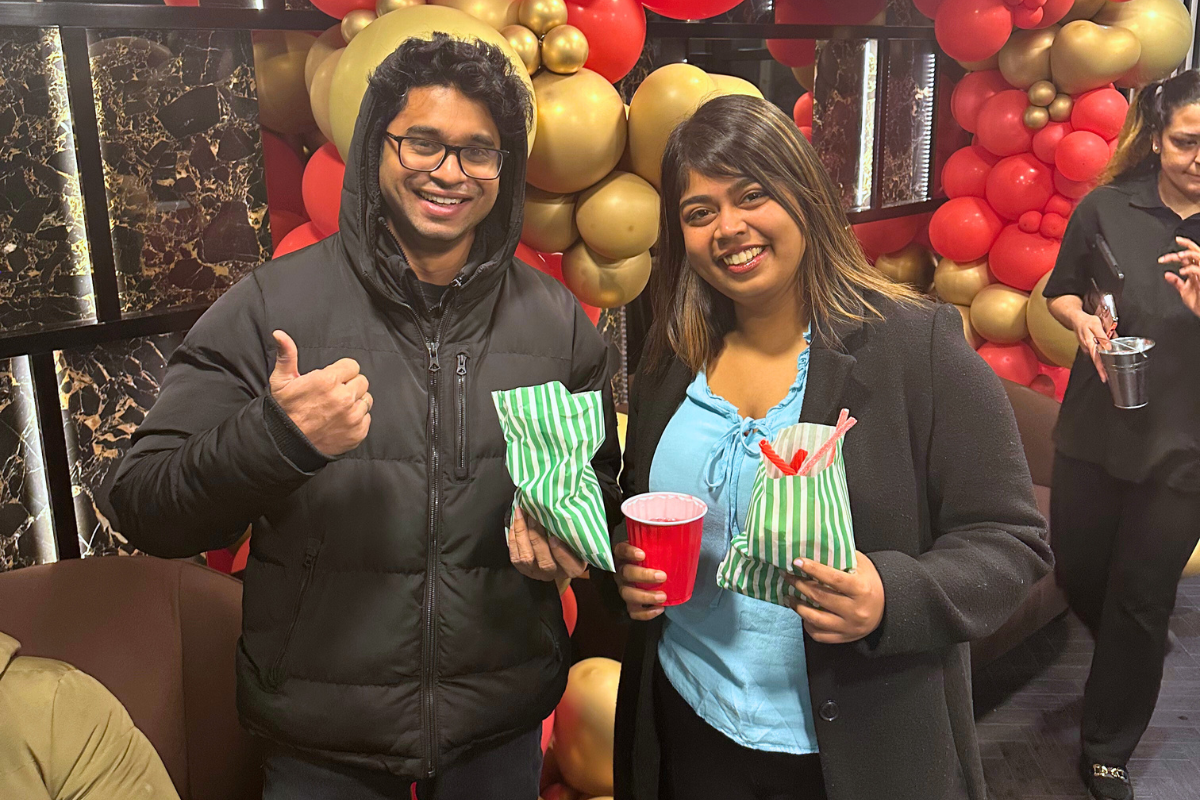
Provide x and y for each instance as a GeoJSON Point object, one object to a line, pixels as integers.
{"type": "Point", "coordinates": [45, 268]}
{"type": "Point", "coordinates": [26, 523]}
{"type": "Point", "coordinates": [106, 391]}
{"type": "Point", "coordinates": [844, 116]}
{"type": "Point", "coordinates": [907, 134]}
{"type": "Point", "coordinates": [178, 118]}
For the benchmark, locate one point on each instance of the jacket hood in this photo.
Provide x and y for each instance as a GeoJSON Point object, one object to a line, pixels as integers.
{"type": "Point", "coordinates": [362, 210]}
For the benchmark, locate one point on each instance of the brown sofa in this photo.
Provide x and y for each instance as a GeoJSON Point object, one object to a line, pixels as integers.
{"type": "Point", "coordinates": [1036, 415]}
{"type": "Point", "coordinates": [161, 636]}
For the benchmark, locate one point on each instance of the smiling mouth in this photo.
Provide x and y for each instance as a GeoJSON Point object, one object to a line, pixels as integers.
{"type": "Point", "coordinates": [439, 200]}
{"type": "Point", "coordinates": [743, 260]}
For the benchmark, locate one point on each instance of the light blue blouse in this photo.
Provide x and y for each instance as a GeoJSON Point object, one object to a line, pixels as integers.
{"type": "Point", "coordinates": [739, 663]}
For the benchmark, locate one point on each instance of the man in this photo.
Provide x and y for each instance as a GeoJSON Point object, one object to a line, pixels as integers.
{"type": "Point", "coordinates": [388, 635]}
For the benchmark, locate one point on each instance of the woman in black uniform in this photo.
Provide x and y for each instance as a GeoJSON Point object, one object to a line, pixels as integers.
{"type": "Point", "coordinates": [1125, 511]}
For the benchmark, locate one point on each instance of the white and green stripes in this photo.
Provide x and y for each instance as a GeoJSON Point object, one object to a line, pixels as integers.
{"type": "Point", "coordinates": [792, 517]}
{"type": "Point", "coordinates": [552, 436]}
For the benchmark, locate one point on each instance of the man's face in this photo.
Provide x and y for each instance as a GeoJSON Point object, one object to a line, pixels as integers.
{"type": "Point", "coordinates": [436, 210]}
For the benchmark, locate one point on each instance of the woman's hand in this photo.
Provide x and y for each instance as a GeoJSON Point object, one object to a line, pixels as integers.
{"type": "Point", "coordinates": [851, 603]}
{"type": "Point", "coordinates": [1187, 282]}
{"type": "Point", "coordinates": [1088, 329]}
{"type": "Point", "coordinates": [642, 604]}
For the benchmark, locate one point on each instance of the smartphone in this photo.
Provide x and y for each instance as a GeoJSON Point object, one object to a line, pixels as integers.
{"type": "Point", "coordinates": [1107, 284]}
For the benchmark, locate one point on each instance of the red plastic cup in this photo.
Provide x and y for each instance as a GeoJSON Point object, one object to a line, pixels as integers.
{"type": "Point", "coordinates": [668, 528]}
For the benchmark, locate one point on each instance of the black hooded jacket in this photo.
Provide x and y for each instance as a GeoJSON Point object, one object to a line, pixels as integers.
{"type": "Point", "coordinates": [383, 623]}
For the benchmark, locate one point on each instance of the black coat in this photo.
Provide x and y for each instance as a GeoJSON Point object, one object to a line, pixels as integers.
{"type": "Point", "coordinates": [943, 504]}
{"type": "Point", "coordinates": [384, 625]}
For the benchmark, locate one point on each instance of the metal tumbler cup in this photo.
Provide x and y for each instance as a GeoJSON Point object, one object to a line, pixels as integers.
{"type": "Point", "coordinates": [1125, 363]}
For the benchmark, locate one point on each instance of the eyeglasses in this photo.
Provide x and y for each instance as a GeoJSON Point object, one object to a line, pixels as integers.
{"type": "Point", "coordinates": [426, 155]}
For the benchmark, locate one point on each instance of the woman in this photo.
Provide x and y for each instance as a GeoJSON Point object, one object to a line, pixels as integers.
{"type": "Point", "coordinates": [1126, 494]}
{"type": "Point", "coordinates": [766, 314]}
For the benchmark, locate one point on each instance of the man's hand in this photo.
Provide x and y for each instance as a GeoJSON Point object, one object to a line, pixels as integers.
{"type": "Point", "coordinates": [851, 603]}
{"type": "Point", "coordinates": [1187, 282]}
{"type": "Point", "coordinates": [538, 555]}
{"type": "Point", "coordinates": [330, 406]}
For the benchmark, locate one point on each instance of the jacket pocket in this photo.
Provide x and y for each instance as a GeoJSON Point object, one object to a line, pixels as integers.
{"type": "Point", "coordinates": [462, 452]}
{"type": "Point", "coordinates": [275, 675]}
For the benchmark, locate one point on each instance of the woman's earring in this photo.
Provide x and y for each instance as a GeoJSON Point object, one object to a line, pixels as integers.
{"type": "Point", "coordinates": [1155, 147]}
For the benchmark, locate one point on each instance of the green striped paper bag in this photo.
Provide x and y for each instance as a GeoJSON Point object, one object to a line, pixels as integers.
{"type": "Point", "coordinates": [552, 436]}
{"type": "Point", "coordinates": [792, 517]}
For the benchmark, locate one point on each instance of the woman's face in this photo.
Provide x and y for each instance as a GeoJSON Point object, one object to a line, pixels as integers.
{"type": "Point", "coordinates": [740, 240]}
{"type": "Point", "coordinates": [1179, 149]}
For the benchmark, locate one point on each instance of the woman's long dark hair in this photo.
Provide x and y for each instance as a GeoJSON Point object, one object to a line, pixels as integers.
{"type": "Point", "coordinates": [738, 136]}
{"type": "Point", "coordinates": [1149, 115]}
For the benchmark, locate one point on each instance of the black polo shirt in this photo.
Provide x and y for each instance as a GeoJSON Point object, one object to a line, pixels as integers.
{"type": "Point", "coordinates": [1160, 441]}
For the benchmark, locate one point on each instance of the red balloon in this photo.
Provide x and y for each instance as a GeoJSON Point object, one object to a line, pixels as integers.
{"type": "Point", "coordinates": [298, 239]}
{"type": "Point", "coordinates": [793, 52]}
{"type": "Point", "coordinates": [616, 34]}
{"type": "Point", "coordinates": [1020, 259]}
{"type": "Point", "coordinates": [1101, 111]}
{"type": "Point", "coordinates": [802, 52]}
{"type": "Point", "coordinates": [1069, 188]}
{"type": "Point", "coordinates": [963, 229]}
{"type": "Point", "coordinates": [547, 733]}
{"type": "Point", "coordinates": [1081, 156]}
{"type": "Point", "coordinates": [1053, 11]}
{"type": "Point", "coordinates": [1059, 376]}
{"type": "Point", "coordinates": [1053, 226]}
{"type": "Point", "coordinates": [340, 8]}
{"type": "Point", "coordinates": [1059, 205]}
{"type": "Point", "coordinates": [570, 608]}
{"type": "Point", "coordinates": [1001, 123]}
{"type": "Point", "coordinates": [1014, 362]}
{"type": "Point", "coordinates": [972, 30]}
{"type": "Point", "coordinates": [1018, 184]}
{"type": "Point", "coordinates": [928, 7]}
{"type": "Point", "coordinates": [323, 187]}
{"type": "Point", "coordinates": [284, 170]}
{"type": "Point", "coordinates": [886, 235]}
{"type": "Point", "coordinates": [972, 92]}
{"type": "Point", "coordinates": [1045, 142]}
{"type": "Point", "coordinates": [283, 222]}
{"type": "Point", "coordinates": [1030, 221]}
{"type": "Point", "coordinates": [806, 132]}
{"type": "Point", "coordinates": [691, 9]}
{"type": "Point", "coordinates": [966, 173]}
{"type": "Point", "coordinates": [802, 112]}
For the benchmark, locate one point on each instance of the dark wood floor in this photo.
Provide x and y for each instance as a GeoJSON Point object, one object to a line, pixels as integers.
{"type": "Point", "coordinates": [1028, 709]}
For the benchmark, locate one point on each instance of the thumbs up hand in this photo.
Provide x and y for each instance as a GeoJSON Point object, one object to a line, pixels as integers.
{"type": "Point", "coordinates": [330, 406]}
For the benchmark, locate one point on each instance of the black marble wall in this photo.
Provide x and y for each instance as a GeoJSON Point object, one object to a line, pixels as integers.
{"type": "Point", "coordinates": [178, 118]}
{"type": "Point", "coordinates": [45, 269]}
{"type": "Point", "coordinates": [106, 391]}
{"type": "Point", "coordinates": [843, 116]}
{"type": "Point", "coordinates": [26, 526]}
{"type": "Point", "coordinates": [908, 123]}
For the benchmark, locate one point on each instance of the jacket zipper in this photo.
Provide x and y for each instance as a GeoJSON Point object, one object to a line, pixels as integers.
{"type": "Point", "coordinates": [275, 676]}
{"type": "Point", "coordinates": [460, 470]}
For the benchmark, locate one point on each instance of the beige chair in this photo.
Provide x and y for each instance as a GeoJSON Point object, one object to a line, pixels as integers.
{"type": "Point", "coordinates": [161, 636]}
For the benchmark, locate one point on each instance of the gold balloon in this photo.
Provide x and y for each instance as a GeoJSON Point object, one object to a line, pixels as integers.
{"type": "Point", "coordinates": [581, 131]}
{"type": "Point", "coordinates": [496, 13]}
{"type": "Point", "coordinates": [381, 38]}
{"type": "Point", "coordinates": [540, 16]}
{"type": "Point", "coordinates": [1087, 56]}
{"type": "Point", "coordinates": [388, 6]}
{"type": "Point", "coordinates": [1082, 9]}
{"type": "Point", "coordinates": [667, 96]}
{"type": "Point", "coordinates": [549, 223]}
{"type": "Point", "coordinates": [1060, 107]}
{"type": "Point", "coordinates": [1036, 118]}
{"type": "Point", "coordinates": [1025, 58]}
{"type": "Point", "coordinates": [1042, 93]}
{"type": "Point", "coordinates": [526, 43]}
{"type": "Point", "coordinates": [1192, 568]}
{"type": "Point", "coordinates": [912, 265]}
{"type": "Point", "coordinates": [564, 49]}
{"type": "Point", "coordinates": [355, 22]}
{"type": "Point", "coordinates": [618, 217]}
{"type": "Point", "coordinates": [972, 336]}
{"type": "Point", "coordinates": [959, 283]}
{"type": "Point", "coordinates": [806, 76]}
{"type": "Point", "coordinates": [279, 60]}
{"type": "Point", "coordinates": [1164, 29]}
{"type": "Point", "coordinates": [731, 84]}
{"type": "Point", "coordinates": [1053, 339]}
{"type": "Point", "coordinates": [603, 283]}
{"type": "Point", "coordinates": [325, 44]}
{"type": "Point", "coordinates": [318, 94]}
{"type": "Point", "coordinates": [998, 313]}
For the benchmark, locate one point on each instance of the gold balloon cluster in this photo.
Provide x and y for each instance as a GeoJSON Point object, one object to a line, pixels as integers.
{"type": "Point", "coordinates": [1099, 42]}
{"type": "Point", "coordinates": [281, 71]}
